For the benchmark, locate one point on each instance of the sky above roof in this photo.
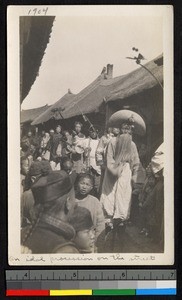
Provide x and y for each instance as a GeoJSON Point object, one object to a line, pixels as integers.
{"type": "Point", "coordinates": [80, 46]}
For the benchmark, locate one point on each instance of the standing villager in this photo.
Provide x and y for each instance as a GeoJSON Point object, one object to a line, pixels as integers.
{"type": "Point", "coordinates": [77, 148]}
{"type": "Point", "coordinates": [50, 143]}
{"type": "Point", "coordinates": [28, 139]}
{"type": "Point", "coordinates": [55, 201]}
{"type": "Point", "coordinates": [100, 154]}
{"type": "Point", "coordinates": [57, 147]}
{"type": "Point", "coordinates": [67, 166]}
{"type": "Point", "coordinates": [101, 148]}
{"type": "Point", "coordinates": [67, 143]}
{"type": "Point", "coordinates": [26, 159]}
{"type": "Point", "coordinates": [26, 156]}
{"type": "Point", "coordinates": [91, 144]}
{"type": "Point", "coordinates": [44, 145]}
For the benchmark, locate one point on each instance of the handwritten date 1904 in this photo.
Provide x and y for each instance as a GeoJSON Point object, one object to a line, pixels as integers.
{"type": "Point", "coordinates": [38, 11]}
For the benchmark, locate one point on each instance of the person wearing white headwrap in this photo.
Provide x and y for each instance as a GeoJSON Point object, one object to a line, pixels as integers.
{"type": "Point", "coordinates": [157, 161]}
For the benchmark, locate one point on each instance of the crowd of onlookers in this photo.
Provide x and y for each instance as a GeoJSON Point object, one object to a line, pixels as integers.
{"type": "Point", "coordinates": [77, 190]}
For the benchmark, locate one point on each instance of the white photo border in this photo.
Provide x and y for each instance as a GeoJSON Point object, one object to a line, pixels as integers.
{"type": "Point", "coordinates": [13, 66]}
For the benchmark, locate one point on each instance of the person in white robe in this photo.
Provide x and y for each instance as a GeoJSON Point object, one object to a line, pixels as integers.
{"type": "Point", "coordinates": [122, 163]}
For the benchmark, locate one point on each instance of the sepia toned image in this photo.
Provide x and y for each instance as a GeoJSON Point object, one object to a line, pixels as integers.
{"type": "Point", "coordinates": [90, 122]}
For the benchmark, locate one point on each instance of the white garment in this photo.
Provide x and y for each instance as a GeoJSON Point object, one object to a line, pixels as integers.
{"type": "Point", "coordinates": [45, 140]}
{"type": "Point", "coordinates": [117, 191]}
{"type": "Point", "coordinates": [54, 166]}
{"type": "Point", "coordinates": [46, 155]}
{"type": "Point", "coordinates": [116, 200]}
{"type": "Point", "coordinates": [157, 161]}
{"type": "Point", "coordinates": [92, 144]}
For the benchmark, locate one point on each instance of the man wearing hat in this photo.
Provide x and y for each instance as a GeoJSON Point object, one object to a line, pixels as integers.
{"type": "Point", "coordinates": [51, 232]}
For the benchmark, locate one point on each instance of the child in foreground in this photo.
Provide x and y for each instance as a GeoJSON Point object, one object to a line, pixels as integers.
{"type": "Point", "coordinates": [83, 198]}
{"type": "Point", "coordinates": [82, 223]}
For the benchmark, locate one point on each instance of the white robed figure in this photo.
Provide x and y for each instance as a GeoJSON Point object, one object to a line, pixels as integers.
{"type": "Point", "coordinates": [122, 164]}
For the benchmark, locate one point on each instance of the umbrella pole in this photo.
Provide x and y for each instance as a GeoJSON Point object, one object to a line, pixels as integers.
{"type": "Point", "coordinates": [152, 75]}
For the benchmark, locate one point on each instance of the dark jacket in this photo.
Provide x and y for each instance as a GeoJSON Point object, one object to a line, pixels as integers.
{"type": "Point", "coordinates": [46, 238]}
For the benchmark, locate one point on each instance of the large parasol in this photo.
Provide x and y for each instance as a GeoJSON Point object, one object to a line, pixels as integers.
{"type": "Point", "coordinates": [128, 116]}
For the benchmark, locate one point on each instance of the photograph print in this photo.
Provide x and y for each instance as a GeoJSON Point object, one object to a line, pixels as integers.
{"type": "Point", "coordinates": [90, 124]}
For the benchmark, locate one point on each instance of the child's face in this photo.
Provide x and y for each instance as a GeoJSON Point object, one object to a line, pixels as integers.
{"type": "Point", "coordinates": [85, 239]}
{"type": "Point", "coordinates": [85, 186]}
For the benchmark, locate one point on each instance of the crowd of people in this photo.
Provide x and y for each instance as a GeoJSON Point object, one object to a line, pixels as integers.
{"type": "Point", "coordinates": [78, 191]}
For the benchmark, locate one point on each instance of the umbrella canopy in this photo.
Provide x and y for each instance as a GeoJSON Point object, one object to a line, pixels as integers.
{"type": "Point", "coordinates": [122, 116]}
{"type": "Point", "coordinates": [35, 34]}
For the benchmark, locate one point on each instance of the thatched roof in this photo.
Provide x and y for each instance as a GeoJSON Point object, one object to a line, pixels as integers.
{"type": "Point", "coordinates": [28, 115]}
{"type": "Point", "coordinates": [101, 91]}
{"type": "Point", "coordinates": [67, 104]}
{"type": "Point", "coordinates": [34, 37]}
{"type": "Point", "coordinates": [138, 81]}
{"type": "Point", "coordinates": [53, 111]}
